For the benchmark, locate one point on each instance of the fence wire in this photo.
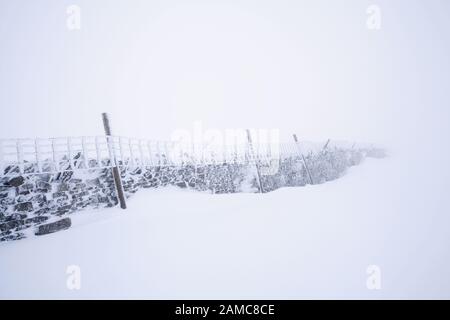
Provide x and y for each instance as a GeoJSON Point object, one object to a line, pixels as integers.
{"type": "Point", "coordinates": [32, 156]}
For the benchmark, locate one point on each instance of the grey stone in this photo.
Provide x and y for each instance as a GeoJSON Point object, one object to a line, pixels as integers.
{"type": "Point", "coordinates": [36, 220]}
{"type": "Point", "coordinates": [11, 225]}
{"type": "Point", "coordinates": [181, 184]}
{"type": "Point", "coordinates": [26, 188]}
{"type": "Point", "coordinates": [77, 187]}
{"type": "Point", "coordinates": [16, 181]}
{"type": "Point", "coordinates": [62, 224]}
{"type": "Point", "coordinates": [93, 182]}
{"type": "Point", "coordinates": [63, 209]}
{"type": "Point", "coordinates": [24, 206]}
{"type": "Point", "coordinates": [39, 199]}
{"type": "Point", "coordinates": [43, 187]}
{"type": "Point", "coordinates": [24, 198]}
{"type": "Point", "coordinates": [79, 195]}
{"type": "Point", "coordinates": [11, 236]}
{"type": "Point", "coordinates": [12, 169]}
{"type": "Point", "coordinates": [59, 194]}
{"type": "Point", "coordinates": [64, 176]}
{"type": "Point", "coordinates": [3, 195]}
{"type": "Point", "coordinates": [16, 216]}
{"type": "Point", "coordinates": [42, 211]}
{"type": "Point", "coordinates": [63, 187]}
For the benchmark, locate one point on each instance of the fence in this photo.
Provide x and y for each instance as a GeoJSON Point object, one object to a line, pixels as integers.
{"type": "Point", "coordinates": [39, 182]}
{"type": "Point", "coordinates": [28, 156]}
{"type": "Point", "coordinates": [32, 156]}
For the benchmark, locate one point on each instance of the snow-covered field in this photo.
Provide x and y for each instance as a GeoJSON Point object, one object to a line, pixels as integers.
{"type": "Point", "coordinates": [309, 242]}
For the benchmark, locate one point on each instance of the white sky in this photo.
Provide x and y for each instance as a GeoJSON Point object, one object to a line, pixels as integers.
{"type": "Point", "coordinates": [312, 67]}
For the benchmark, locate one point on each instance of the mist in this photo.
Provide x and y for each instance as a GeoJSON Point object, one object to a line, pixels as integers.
{"type": "Point", "coordinates": [314, 68]}
{"type": "Point", "coordinates": [309, 67]}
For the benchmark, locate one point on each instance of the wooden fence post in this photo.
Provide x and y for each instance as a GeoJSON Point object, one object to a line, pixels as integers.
{"type": "Point", "coordinates": [69, 151]}
{"type": "Point", "coordinates": [85, 151]}
{"type": "Point", "coordinates": [252, 155]}
{"type": "Point", "coordinates": [36, 149]}
{"type": "Point", "coordinates": [54, 157]}
{"type": "Point", "coordinates": [97, 153]}
{"type": "Point", "coordinates": [130, 146]}
{"type": "Point", "coordinates": [115, 168]}
{"type": "Point", "coordinates": [20, 161]}
{"type": "Point", "coordinates": [303, 158]}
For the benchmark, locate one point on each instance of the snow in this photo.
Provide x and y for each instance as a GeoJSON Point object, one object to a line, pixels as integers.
{"type": "Point", "coordinates": [310, 69]}
{"type": "Point", "coordinates": [307, 242]}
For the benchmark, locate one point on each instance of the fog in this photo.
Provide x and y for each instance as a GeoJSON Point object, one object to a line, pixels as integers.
{"type": "Point", "coordinates": [314, 68]}
{"type": "Point", "coordinates": [310, 67]}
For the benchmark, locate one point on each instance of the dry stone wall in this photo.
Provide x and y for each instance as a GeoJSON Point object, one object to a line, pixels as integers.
{"type": "Point", "coordinates": [40, 203]}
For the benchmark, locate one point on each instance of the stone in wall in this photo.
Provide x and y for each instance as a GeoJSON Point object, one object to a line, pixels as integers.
{"type": "Point", "coordinates": [62, 224]}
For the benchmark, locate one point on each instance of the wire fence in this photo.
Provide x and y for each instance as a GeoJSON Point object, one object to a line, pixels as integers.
{"type": "Point", "coordinates": [33, 156]}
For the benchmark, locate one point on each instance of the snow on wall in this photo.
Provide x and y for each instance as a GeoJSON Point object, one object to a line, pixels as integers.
{"type": "Point", "coordinates": [28, 201]}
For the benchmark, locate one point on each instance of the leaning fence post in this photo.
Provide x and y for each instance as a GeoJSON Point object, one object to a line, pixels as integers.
{"type": "Point", "coordinates": [303, 158]}
{"type": "Point", "coordinates": [20, 161]}
{"type": "Point", "coordinates": [130, 146]}
{"type": "Point", "coordinates": [115, 168]}
{"type": "Point", "coordinates": [326, 144]}
{"type": "Point", "coordinates": [85, 151]}
{"type": "Point", "coordinates": [97, 152]}
{"type": "Point", "coordinates": [252, 156]}
{"type": "Point", "coordinates": [36, 149]}
{"type": "Point", "coordinates": [69, 151]}
{"type": "Point", "coordinates": [54, 158]}
{"type": "Point", "coordinates": [122, 155]}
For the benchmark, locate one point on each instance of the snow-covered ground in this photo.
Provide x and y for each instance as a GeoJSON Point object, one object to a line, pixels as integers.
{"type": "Point", "coordinates": [308, 242]}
